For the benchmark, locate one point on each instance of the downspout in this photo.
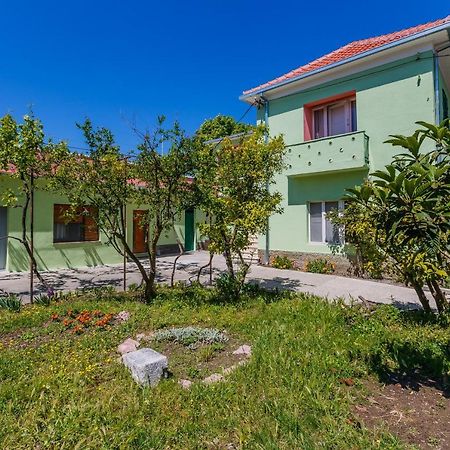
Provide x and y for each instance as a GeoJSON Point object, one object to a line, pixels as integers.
{"type": "Point", "coordinates": [437, 103]}
{"type": "Point", "coordinates": [266, 140]}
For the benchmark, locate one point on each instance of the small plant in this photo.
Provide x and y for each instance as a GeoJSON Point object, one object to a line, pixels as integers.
{"type": "Point", "coordinates": [78, 322]}
{"type": "Point", "coordinates": [320, 265]}
{"type": "Point", "coordinates": [11, 302]}
{"type": "Point", "coordinates": [282, 262]}
{"type": "Point", "coordinates": [208, 352]}
{"type": "Point", "coordinates": [42, 299]}
{"type": "Point", "coordinates": [191, 336]}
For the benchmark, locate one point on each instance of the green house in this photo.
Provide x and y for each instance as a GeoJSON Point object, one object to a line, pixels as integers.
{"type": "Point", "coordinates": [335, 113]}
{"type": "Point", "coordinates": [79, 243]}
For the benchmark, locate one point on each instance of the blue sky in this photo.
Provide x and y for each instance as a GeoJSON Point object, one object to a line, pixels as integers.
{"type": "Point", "coordinates": [128, 61]}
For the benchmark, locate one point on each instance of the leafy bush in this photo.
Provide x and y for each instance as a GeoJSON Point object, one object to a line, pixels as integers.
{"type": "Point", "coordinates": [11, 302]}
{"type": "Point", "coordinates": [282, 262]}
{"type": "Point", "coordinates": [191, 336]}
{"type": "Point", "coordinates": [228, 286]}
{"type": "Point", "coordinates": [320, 265]}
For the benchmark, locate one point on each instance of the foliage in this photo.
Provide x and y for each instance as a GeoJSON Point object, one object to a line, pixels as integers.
{"type": "Point", "coordinates": [43, 300]}
{"type": "Point", "coordinates": [232, 180]}
{"type": "Point", "coordinates": [360, 241]}
{"type": "Point", "coordinates": [11, 302]}
{"type": "Point", "coordinates": [191, 336]}
{"type": "Point", "coordinates": [282, 262]}
{"type": "Point", "coordinates": [29, 158]}
{"type": "Point", "coordinates": [320, 265]}
{"type": "Point", "coordinates": [219, 127]}
{"type": "Point", "coordinates": [408, 204]}
{"type": "Point", "coordinates": [302, 347]}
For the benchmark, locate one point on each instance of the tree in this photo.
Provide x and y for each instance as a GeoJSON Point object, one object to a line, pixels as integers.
{"type": "Point", "coordinates": [219, 127]}
{"type": "Point", "coordinates": [165, 185]}
{"type": "Point", "coordinates": [107, 180]}
{"type": "Point", "coordinates": [29, 159]}
{"type": "Point", "coordinates": [408, 204]}
{"type": "Point", "coordinates": [232, 179]}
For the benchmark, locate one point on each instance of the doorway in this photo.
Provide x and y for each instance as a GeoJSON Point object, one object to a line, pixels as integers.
{"type": "Point", "coordinates": [189, 230]}
{"type": "Point", "coordinates": [140, 232]}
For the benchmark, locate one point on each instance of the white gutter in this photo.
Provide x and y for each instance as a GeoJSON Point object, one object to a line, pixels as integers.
{"type": "Point", "coordinates": [254, 94]}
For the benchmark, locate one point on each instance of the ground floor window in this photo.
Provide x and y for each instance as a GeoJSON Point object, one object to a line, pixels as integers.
{"type": "Point", "coordinates": [81, 227]}
{"type": "Point", "coordinates": [321, 230]}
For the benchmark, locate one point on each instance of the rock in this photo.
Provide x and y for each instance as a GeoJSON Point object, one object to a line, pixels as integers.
{"type": "Point", "coordinates": [127, 346]}
{"type": "Point", "coordinates": [146, 365]}
{"type": "Point", "coordinates": [140, 337]}
{"type": "Point", "coordinates": [214, 378]}
{"type": "Point", "coordinates": [243, 350]}
{"type": "Point", "coordinates": [123, 316]}
{"type": "Point", "coordinates": [185, 384]}
{"type": "Point", "coordinates": [232, 368]}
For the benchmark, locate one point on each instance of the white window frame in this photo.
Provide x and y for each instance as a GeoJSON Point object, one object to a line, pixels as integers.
{"type": "Point", "coordinates": [323, 202]}
{"type": "Point", "coordinates": [348, 116]}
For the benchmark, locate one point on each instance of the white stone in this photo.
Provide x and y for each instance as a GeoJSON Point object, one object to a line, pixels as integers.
{"type": "Point", "coordinates": [243, 350]}
{"type": "Point", "coordinates": [123, 316]}
{"type": "Point", "coordinates": [214, 378]}
{"type": "Point", "coordinates": [146, 365]}
{"type": "Point", "coordinates": [127, 346]}
{"type": "Point", "coordinates": [185, 384]}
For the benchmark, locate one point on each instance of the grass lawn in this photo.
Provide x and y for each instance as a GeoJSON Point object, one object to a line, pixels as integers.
{"type": "Point", "coordinates": [310, 362]}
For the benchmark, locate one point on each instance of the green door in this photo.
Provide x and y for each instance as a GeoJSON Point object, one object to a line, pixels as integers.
{"type": "Point", "coordinates": [189, 230]}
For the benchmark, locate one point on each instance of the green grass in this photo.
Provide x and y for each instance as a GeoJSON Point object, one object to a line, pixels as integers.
{"type": "Point", "coordinates": [62, 391]}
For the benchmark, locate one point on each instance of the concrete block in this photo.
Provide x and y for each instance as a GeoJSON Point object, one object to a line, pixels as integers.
{"type": "Point", "coordinates": [146, 365]}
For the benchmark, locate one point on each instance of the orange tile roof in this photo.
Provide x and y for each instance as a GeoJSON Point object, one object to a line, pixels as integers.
{"type": "Point", "coordinates": [350, 50]}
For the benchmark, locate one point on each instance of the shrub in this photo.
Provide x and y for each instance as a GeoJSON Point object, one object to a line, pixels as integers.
{"type": "Point", "coordinates": [11, 302]}
{"type": "Point", "coordinates": [228, 286]}
{"type": "Point", "coordinates": [191, 336]}
{"type": "Point", "coordinates": [282, 262]}
{"type": "Point", "coordinates": [319, 265]}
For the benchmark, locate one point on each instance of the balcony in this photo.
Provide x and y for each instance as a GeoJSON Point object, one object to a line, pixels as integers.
{"type": "Point", "coordinates": [336, 153]}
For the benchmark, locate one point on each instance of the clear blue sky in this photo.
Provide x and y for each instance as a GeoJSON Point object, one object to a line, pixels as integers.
{"type": "Point", "coordinates": [121, 61]}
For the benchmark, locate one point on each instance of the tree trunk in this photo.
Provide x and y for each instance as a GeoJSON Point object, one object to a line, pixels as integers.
{"type": "Point", "coordinates": [211, 255]}
{"type": "Point", "coordinates": [438, 295]}
{"type": "Point", "coordinates": [422, 297]}
{"type": "Point", "coordinates": [174, 268]}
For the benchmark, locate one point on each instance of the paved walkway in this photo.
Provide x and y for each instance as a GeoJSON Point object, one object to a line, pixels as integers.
{"type": "Point", "coordinates": [330, 286]}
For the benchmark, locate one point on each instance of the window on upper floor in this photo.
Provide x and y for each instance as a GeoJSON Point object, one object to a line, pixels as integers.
{"type": "Point", "coordinates": [330, 117]}
{"type": "Point", "coordinates": [79, 228]}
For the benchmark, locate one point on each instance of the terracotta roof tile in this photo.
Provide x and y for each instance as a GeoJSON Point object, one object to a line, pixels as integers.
{"type": "Point", "coordinates": [353, 49]}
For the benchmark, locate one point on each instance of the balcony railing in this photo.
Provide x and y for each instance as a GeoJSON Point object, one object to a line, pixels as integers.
{"type": "Point", "coordinates": [335, 153]}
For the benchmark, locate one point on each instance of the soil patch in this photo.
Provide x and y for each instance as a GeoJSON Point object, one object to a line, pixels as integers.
{"type": "Point", "coordinates": [415, 408]}
{"type": "Point", "coordinates": [199, 362]}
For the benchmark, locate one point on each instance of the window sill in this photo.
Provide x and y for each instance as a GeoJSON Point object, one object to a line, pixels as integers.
{"type": "Point", "coordinates": [76, 243]}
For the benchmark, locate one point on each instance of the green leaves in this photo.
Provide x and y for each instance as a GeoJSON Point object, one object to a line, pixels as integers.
{"type": "Point", "coordinates": [408, 205]}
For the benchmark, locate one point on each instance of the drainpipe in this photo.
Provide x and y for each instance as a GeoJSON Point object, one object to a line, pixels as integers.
{"type": "Point", "coordinates": [437, 103]}
{"type": "Point", "coordinates": [266, 122]}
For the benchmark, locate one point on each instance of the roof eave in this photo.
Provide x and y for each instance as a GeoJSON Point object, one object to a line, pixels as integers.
{"type": "Point", "coordinates": [257, 93]}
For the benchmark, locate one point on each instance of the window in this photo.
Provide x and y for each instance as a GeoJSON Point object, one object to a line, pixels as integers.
{"type": "Point", "coordinates": [79, 228]}
{"type": "Point", "coordinates": [335, 118]}
{"type": "Point", "coordinates": [330, 116]}
{"type": "Point", "coordinates": [321, 229]}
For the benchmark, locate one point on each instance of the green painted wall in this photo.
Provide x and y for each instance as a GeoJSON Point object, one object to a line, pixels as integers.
{"type": "Point", "coordinates": [52, 255]}
{"type": "Point", "coordinates": [390, 99]}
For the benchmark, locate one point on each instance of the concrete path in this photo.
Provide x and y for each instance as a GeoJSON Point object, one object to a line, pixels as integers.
{"type": "Point", "coordinates": [330, 286]}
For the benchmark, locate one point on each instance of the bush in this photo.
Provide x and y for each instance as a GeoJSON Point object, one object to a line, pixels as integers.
{"type": "Point", "coordinates": [282, 262]}
{"type": "Point", "coordinates": [11, 302]}
{"type": "Point", "coordinates": [320, 265]}
{"type": "Point", "coordinates": [228, 287]}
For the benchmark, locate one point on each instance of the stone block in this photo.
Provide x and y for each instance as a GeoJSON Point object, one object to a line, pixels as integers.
{"type": "Point", "coordinates": [147, 366]}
